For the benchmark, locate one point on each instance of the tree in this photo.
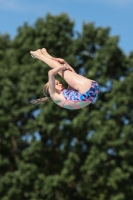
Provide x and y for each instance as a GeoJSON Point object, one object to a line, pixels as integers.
{"type": "Point", "coordinates": [52, 153]}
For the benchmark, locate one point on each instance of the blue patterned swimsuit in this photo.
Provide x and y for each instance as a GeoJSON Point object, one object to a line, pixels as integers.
{"type": "Point", "coordinates": [90, 95]}
{"type": "Point", "coordinates": [75, 100]}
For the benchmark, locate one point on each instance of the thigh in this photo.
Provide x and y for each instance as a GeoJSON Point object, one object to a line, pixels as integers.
{"type": "Point", "coordinates": [78, 82]}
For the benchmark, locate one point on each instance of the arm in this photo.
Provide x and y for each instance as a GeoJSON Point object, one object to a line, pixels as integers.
{"type": "Point", "coordinates": [62, 61]}
{"type": "Point", "coordinates": [51, 77]}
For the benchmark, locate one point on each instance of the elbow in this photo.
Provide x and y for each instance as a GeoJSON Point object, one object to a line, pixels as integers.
{"type": "Point", "coordinates": [50, 73]}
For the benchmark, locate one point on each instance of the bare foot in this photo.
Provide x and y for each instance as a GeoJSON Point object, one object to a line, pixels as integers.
{"type": "Point", "coordinates": [40, 53]}
{"type": "Point", "coordinates": [36, 54]}
{"type": "Point", "coordinates": [45, 53]}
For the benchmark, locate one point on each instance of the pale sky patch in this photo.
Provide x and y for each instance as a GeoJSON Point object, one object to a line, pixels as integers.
{"type": "Point", "coordinates": [22, 6]}
{"type": "Point", "coordinates": [117, 2]}
{"type": "Point", "coordinates": [40, 6]}
{"type": "Point", "coordinates": [9, 5]}
{"type": "Point", "coordinates": [109, 2]}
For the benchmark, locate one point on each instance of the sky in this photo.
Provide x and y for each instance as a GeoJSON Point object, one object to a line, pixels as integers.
{"type": "Point", "coordinates": [116, 14]}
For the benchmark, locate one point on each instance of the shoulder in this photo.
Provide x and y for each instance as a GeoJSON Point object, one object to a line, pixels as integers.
{"type": "Point", "coordinates": [57, 97]}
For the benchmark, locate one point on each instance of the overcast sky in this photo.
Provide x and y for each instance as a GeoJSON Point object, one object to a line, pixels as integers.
{"type": "Point", "coordinates": [116, 14]}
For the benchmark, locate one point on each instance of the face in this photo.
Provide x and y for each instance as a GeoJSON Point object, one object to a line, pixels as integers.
{"type": "Point", "coordinates": [58, 85]}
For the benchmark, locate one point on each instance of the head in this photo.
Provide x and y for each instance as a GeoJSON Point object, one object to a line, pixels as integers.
{"type": "Point", "coordinates": [58, 87]}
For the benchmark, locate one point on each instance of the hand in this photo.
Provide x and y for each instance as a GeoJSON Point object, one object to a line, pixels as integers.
{"type": "Point", "coordinates": [62, 61]}
{"type": "Point", "coordinates": [66, 67]}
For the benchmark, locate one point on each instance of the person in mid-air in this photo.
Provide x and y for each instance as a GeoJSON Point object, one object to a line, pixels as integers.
{"type": "Point", "coordinates": [81, 91]}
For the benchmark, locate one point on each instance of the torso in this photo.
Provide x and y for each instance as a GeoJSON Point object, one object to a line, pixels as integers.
{"type": "Point", "coordinates": [73, 104]}
{"type": "Point", "coordinates": [72, 99]}
{"type": "Point", "coordinates": [61, 101]}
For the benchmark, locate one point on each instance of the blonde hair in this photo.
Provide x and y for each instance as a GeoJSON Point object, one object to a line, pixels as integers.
{"type": "Point", "coordinates": [46, 90]}
{"type": "Point", "coordinates": [46, 94]}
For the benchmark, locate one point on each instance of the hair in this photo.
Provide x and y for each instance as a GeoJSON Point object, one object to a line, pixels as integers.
{"type": "Point", "coordinates": [46, 94]}
{"type": "Point", "coordinates": [46, 90]}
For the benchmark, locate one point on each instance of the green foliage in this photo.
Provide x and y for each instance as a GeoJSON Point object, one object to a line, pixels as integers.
{"type": "Point", "coordinates": [47, 152]}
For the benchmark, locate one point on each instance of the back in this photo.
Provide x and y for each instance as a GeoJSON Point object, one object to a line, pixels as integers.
{"type": "Point", "coordinates": [73, 104]}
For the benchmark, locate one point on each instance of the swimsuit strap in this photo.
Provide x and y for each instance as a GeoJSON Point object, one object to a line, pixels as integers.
{"type": "Point", "coordinates": [63, 103]}
{"type": "Point", "coordinates": [76, 106]}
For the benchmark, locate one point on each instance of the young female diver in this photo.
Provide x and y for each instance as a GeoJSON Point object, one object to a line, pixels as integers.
{"type": "Point", "coordinates": [81, 91]}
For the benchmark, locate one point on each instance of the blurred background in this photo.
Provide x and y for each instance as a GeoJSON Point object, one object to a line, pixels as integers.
{"type": "Point", "coordinates": [47, 152]}
{"type": "Point", "coordinates": [116, 14]}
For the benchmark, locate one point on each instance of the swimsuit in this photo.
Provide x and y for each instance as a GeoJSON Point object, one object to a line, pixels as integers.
{"type": "Point", "coordinates": [88, 96]}
{"type": "Point", "coordinates": [76, 100]}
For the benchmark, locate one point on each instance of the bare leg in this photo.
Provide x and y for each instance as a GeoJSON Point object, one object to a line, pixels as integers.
{"type": "Point", "coordinates": [40, 53]}
{"type": "Point", "coordinates": [75, 80]}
